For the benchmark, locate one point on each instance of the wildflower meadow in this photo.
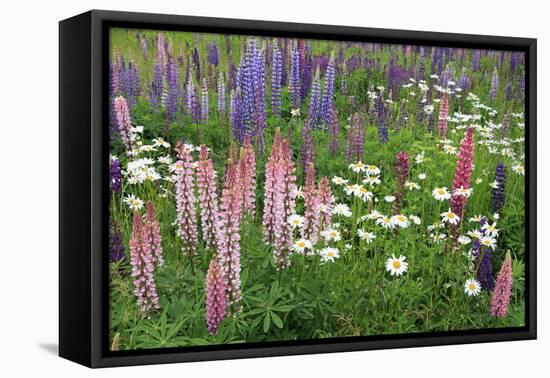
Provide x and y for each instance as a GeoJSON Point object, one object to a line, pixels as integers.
{"type": "Point", "coordinates": [276, 189]}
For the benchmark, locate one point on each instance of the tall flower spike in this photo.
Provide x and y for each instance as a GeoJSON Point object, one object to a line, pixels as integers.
{"type": "Point", "coordinates": [204, 102]}
{"type": "Point", "coordinates": [124, 123]}
{"type": "Point", "coordinates": [485, 269]}
{"type": "Point", "coordinates": [115, 175]}
{"type": "Point", "coordinates": [276, 80]}
{"type": "Point", "coordinates": [295, 84]}
{"type": "Point", "coordinates": [402, 174]}
{"type": "Point", "coordinates": [269, 192]}
{"type": "Point", "coordinates": [328, 92]}
{"type": "Point", "coordinates": [494, 85]}
{"type": "Point", "coordinates": [185, 201]}
{"type": "Point", "coordinates": [141, 260]}
{"type": "Point", "coordinates": [443, 113]}
{"type": "Point", "coordinates": [116, 246]}
{"type": "Point", "coordinates": [499, 197]}
{"type": "Point", "coordinates": [463, 172]}
{"type": "Point", "coordinates": [215, 296]}
{"type": "Point", "coordinates": [208, 197]}
{"type": "Point", "coordinates": [285, 205]}
{"type": "Point", "coordinates": [221, 94]}
{"type": "Point", "coordinates": [248, 176]}
{"type": "Point", "coordinates": [503, 289]}
{"type": "Point", "coordinates": [326, 203]}
{"type": "Point", "coordinates": [312, 207]}
{"type": "Point", "coordinates": [153, 238]}
{"type": "Point", "coordinates": [229, 247]}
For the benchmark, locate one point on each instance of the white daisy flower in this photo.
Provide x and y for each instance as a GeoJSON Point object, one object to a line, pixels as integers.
{"type": "Point", "coordinates": [363, 193]}
{"type": "Point", "coordinates": [491, 229]}
{"type": "Point", "coordinates": [411, 185]}
{"type": "Point", "coordinates": [519, 169]}
{"type": "Point", "coordinates": [366, 236]}
{"type": "Point", "coordinates": [419, 158]}
{"type": "Point", "coordinates": [298, 192]}
{"type": "Point", "coordinates": [134, 202]}
{"type": "Point", "coordinates": [331, 234]}
{"type": "Point", "coordinates": [422, 176]}
{"type": "Point", "coordinates": [450, 150]}
{"type": "Point", "coordinates": [329, 254]}
{"type": "Point", "coordinates": [494, 184]}
{"type": "Point", "coordinates": [441, 194]}
{"type": "Point", "coordinates": [300, 246]}
{"type": "Point", "coordinates": [463, 192]}
{"type": "Point", "coordinates": [357, 167]}
{"type": "Point", "coordinates": [372, 180]}
{"type": "Point", "coordinates": [475, 234]}
{"type": "Point", "coordinates": [401, 220]}
{"type": "Point", "coordinates": [339, 180]}
{"type": "Point", "coordinates": [475, 218]}
{"type": "Point", "coordinates": [295, 112]}
{"type": "Point", "coordinates": [450, 217]}
{"type": "Point", "coordinates": [372, 170]}
{"type": "Point", "coordinates": [389, 198]}
{"type": "Point", "coordinates": [416, 220]}
{"type": "Point", "coordinates": [296, 220]}
{"type": "Point", "coordinates": [341, 209]}
{"type": "Point", "coordinates": [374, 214]}
{"type": "Point", "coordinates": [479, 181]}
{"type": "Point", "coordinates": [159, 142]}
{"type": "Point", "coordinates": [488, 241]}
{"type": "Point", "coordinates": [464, 240]}
{"type": "Point", "coordinates": [385, 222]}
{"type": "Point", "coordinates": [351, 189]}
{"type": "Point", "coordinates": [397, 266]}
{"type": "Point", "coordinates": [472, 287]}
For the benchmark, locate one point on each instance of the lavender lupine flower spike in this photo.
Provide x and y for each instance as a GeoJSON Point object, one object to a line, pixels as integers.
{"type": "Point", "coordinates": [328, 92]}
{"type": "Point", "coordinates": [294, 84]}
{"type": "Point", "coordinates": [276, 80]}
{"type": "Point", "coordinates": [221, 94]}
{"type": "Point", "coordinates": [204, 102]}
{"type": "Point", "coordinates": [498, 197]}
{"type": "Point", "coordinates": [315, 101]}
{"type": "Point", "coordinates": [494, 85]}
{"type": "Point", "coordinates": [193, 107]}
{"type": "Point", "coordinates": [171, 101]}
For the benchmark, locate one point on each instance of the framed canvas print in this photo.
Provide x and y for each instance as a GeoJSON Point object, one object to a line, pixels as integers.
{"type": "Point", "coordinates": [234, 188]}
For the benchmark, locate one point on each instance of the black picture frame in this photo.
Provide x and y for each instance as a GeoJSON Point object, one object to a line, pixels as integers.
{"type": "Point", "coordinates": [83, 181]}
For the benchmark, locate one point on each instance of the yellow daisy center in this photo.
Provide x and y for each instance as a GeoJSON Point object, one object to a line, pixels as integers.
{"type": "Point", "coordinates": [330, 253]}
{"type": "Point", "coordinates": [450, 215]}
{"type": "Point", "coordinates": [301, 244]}
{"type": "Point", "coordinates": [396, 264]}
{"type": "Point", "coordinates": [333, 234]}
{"type": "Point", "coordinates": [440, 191]}
{"type": "Point", "coordinates": [472, 286]}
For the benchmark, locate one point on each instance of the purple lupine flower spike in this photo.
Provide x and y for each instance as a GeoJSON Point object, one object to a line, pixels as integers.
{"type": "Point", "coordinates": [498, 197]}
{"type": "Point", "coordinates": [328, 92]}
{"type": "Point", "coordinates": [115, 175]}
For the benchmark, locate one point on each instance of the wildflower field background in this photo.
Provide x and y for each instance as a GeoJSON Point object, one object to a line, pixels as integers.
{"type": "Point", "coordinates": [268, 189]}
